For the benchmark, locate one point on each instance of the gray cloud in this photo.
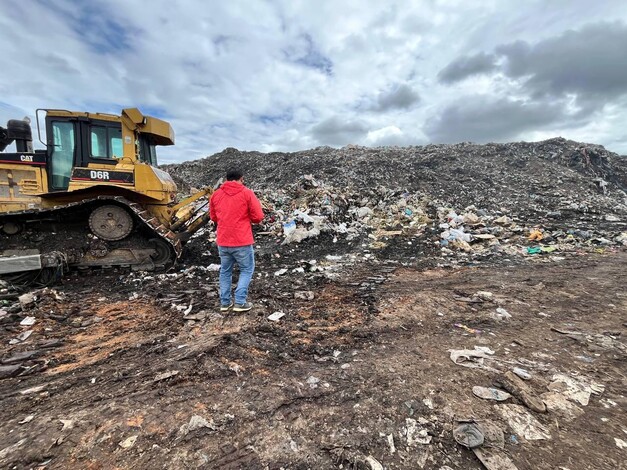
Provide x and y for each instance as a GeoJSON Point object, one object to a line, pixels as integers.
{"type": "Point", "coordinates": [588, 63]}
{"type": "Point", "coordinates": [485, 119]}
{"type": "Point", "coordinates": [400, 97]}
{"type": "Point", "coordinates": [466, 66]}
{"type": "Point", "coordinates": [338, 131]}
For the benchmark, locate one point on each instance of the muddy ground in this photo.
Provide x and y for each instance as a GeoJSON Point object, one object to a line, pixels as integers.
{"type": "Point", "coordinates": [121, 376]}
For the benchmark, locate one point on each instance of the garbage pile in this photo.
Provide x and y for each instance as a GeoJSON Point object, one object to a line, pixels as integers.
{"type": "Point", "coordinates": [479, 233]}
{"type": "Point", "coordinates": [310, 207]}
{"type": "Point", "coordinates": [542, 199]}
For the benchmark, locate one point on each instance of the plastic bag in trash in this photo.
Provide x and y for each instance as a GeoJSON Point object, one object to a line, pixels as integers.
{"type": "Point", "coordinates": [289, 227]}
{"type": "Point", "coordinates": [456, 234]}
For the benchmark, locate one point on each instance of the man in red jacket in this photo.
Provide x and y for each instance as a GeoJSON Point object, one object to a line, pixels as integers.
{"type": "Point", "coordinates": [233, 207]}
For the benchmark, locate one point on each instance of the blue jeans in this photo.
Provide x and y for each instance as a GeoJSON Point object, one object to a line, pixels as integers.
{"type": "Point", "coordinates": [244, 256]}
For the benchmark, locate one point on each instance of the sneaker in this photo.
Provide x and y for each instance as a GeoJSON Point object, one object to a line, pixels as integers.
{"type": "Point", "coordinates": [224, 308]}
{"type": "Point", "coordinates": [242, 307]}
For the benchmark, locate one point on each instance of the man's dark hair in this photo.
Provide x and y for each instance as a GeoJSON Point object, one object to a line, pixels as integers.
{"type": "Point", "coordinates": [233, 175]}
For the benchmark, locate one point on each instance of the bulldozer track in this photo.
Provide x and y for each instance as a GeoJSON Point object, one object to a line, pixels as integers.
{"type": "Point", "coordinates": [149, 221]}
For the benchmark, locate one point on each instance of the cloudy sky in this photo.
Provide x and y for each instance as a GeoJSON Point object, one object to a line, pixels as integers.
{"type": "Point", "coordinates": [285, 75]}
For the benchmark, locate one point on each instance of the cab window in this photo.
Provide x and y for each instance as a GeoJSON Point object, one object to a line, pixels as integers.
{"type": "Point", "coordinates": [147, 150]}
{"type": "Point", "coordinates": [105, 142]}
{"type": "Point", "coordinates": [62, 153]}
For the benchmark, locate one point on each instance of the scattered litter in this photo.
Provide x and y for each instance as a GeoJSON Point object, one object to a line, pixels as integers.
{"type": "Point", "coordinates": [522, 373]}
{"type": "Point", "coordinates": [128, 442]}
{"type": "Point", "coordinates": [28, 419]}
{"type": "Point", "coordinates": [165, 375]}
{"type": "Point", "coordinates": [501, 314]}
{"type": "Point", "coordinates": [304, 295]}
{"type": "Point", "coordinates": [415, 433]}
{"type": "Point", "coordinates": [198, 316]}
{"type": "Point", "coordinates": [620, 443]}
{"type": "Point", "coordinates": [472, 358]}
{"type": "Point", "coordinates": [36, 389]}
{"type": "Point", "coordinates": [390, 438]}
{"type": "Point", "coordinates": [577, 390]}
{"type": "Point", "coordinates": [523, 423]}
{"type": "Point", "coordinates": [514, 385]}
{"type": "Point", "coordinates": [374, 463]}
{"type": "Point", "coordinates": [26, 300]}
{"type": "Point", "coordinates": [467, 329]}
{"type": "Point", "coordinates": [557, 403]}
{"type": "Point", "coordinates": [28, 321]}
{"type": "Point", "coordinates": [280, 272]}
{"type": "Point", "coordinates": [484, 295]}
{"type": "Point", "coordinates": [490, 393]}
{"type": "Point", "coordinates": [195, 422]}
{"type": "Point", "coordinates": [490, 453]}
{"type": "Point", "coordinates": [469, 435]}
{"type": "Point", "coordinates": [313, 381]}
{"type": "Point", "coordinates": [23, 336]}
{"type": "Point", "coordinates": [535, 235]}
{"type": "Point", "coordinates": [494, 459]}
{"type": "Point", "coordinates": [67, 424]}
{"type": "Point", "coordinates": [276, 316]}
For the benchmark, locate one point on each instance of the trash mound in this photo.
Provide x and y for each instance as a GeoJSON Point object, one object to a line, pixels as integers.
{"type": "Point", "coordinates": [465, 200]}
{"type": "Point", "coordinates": [526, 178]}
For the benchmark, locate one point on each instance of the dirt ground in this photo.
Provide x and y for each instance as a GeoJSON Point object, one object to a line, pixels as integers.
{"type": "Point", "coordinates": [358, 376]}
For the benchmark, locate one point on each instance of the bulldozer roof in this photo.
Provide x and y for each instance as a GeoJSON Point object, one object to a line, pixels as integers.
{"type": "Point", "coordinates": [160, 130]}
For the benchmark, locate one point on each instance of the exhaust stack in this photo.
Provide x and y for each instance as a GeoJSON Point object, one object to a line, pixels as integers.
{"type": "Point", "coordinates": [18, 131]}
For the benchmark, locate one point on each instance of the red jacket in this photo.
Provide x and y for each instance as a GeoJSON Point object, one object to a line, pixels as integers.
{"type": "Point", "coordinates": [233, 207]}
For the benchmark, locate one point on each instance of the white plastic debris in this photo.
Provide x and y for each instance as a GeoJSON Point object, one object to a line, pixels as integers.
{"type": "Point", "coordinates": [128, 442]}
{"type": "Point", "coordinates": [490, 393]}
{"type": "Point", "coordinates": [304, 295]}
{"type": "Point", "coordinates": [166, 375]}
{"type": "Point", "coordinates": [195, 422]}
{"type": "Point", "coordinates": [276, 316]}
{"type": "Point", "coordinates": [28, 321]}
{"type": "Point", "coordinates": [472, 358]}
{"type": "Point", "coordinates": [374, 463]}
{"type": "Point", "coordinates": [415, 434]}
{"type": "Point", "coordinates": [523, 423]}
{"type": "Point", "coordinates": [501, 314]}
{"type": "Point", "coordinates": [313, 381]}
{"type": "Point", "coordinates": [484, 295]}
{"type": "Point", "coordinates": [577, 390]}
{"type": "Point", "coordinates": [522, 373]}
{"type": "Point", "coordinates": [23, 336]}
{"type": "Point", "coordinates": [390, 438]}
{"type": "Point", "coordinates": [280, 272]}
{"type": "Point", "coordinates": [67, 424]}
{"type": "Point", "coordinates": [26, 300]}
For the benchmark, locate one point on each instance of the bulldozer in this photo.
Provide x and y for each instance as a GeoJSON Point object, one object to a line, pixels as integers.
{"type": "Point", "coordinates": [92, 198]}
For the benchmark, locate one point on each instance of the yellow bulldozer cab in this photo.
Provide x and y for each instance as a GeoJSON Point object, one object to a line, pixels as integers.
{"type": "Point", "coordinates": [96, 178]}
{"type": "Point", "coordinates": [89, 154]}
